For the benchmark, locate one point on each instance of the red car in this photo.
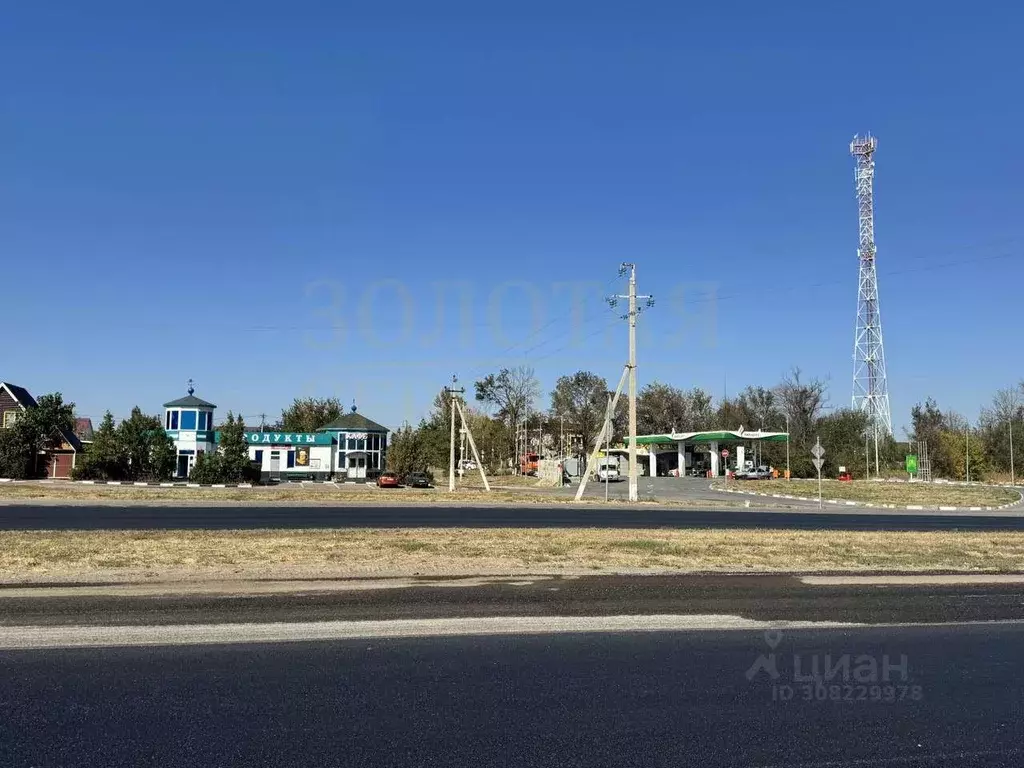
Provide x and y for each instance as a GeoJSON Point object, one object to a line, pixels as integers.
{"type": "Point", "coordinates": [387, 480]}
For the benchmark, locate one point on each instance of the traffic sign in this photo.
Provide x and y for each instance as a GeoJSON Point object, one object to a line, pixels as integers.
{"type": "Point", "coordinates": [818, 463]}
{"type": "Point", "coordinates": [817, 451]}
{"type": "Point", "coordinates": [911, 464]}
{"type": "Point", "coordinates": [725, 453]}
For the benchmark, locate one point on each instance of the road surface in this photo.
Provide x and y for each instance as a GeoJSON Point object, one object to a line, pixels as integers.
{"type": "Point", "coordinates": [593, 699]}
{"type": "Point", "coordinates": [96, 517]}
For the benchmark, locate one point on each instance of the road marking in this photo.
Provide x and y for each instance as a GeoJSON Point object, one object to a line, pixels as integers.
{"type": "Point", "coordinates": [898, 579]}
{"type": "Point", "coordinates": [24, 637]}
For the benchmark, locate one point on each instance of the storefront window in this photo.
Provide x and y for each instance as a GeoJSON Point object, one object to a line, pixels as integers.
{"type": "Point", "coordinates": [291, 459]}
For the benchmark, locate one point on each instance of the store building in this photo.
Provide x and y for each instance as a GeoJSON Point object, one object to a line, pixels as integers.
{"type": "Point", "coordinates": [188, 421]}
{"type": "Point", "coordinates": [361, 446]}
{"type": "Point", "coordinates": [292, 455]}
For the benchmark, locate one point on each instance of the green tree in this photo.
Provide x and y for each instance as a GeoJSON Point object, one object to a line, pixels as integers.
{"type": "Point", "coordinates": [104, 460]}
{"type": "Point", "coordinates": [308, 414]}
{"type": "Point", "coordinates": [662, 408]}
{"type": "Point", "coordinates": [405, 452]}
{"type": "Point", "coordinates": [38, 428]}
{"type": "Point", "coordinates": [842, 436]}
{"type": "Point", "coordinates": [512, 391]}
{"type": "Point", "coordinates": [208, 469]}
{"type": "Point", "coordinates": [142, 441]}
{"type": "Point", "coordinates": [581, 400]}
{"type": "Point", "coordinates": [235, 464]}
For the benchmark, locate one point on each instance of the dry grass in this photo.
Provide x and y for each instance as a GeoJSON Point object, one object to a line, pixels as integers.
{"type": "Point", "coordinates": [313, 493]}
{"type": "Point", "coordinates": [925, 494]}
{"type": "Point", "coordinates": [54, 556]}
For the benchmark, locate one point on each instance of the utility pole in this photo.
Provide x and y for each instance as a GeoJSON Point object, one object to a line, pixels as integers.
{"type": "Point", "coordinates": [263, 421]}
{"type": "Point", "coordinates": [631, 316]}
{"type": "Point", "coordinates": [607, 440]}
{"type": "Point", "coordinates": [453, 393]}
{"type": "Point", "coordinates": [1013, 477]}
{"type": "Point", "coordinates": [968, 453]}
{"type": "Point", "coordinates": [788, 475]}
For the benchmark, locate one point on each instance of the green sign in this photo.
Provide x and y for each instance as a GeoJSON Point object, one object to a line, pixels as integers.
{"type": "Point", "coordinates": [288, 438]}
{"type": "Point", "coordinates": [911, 464]}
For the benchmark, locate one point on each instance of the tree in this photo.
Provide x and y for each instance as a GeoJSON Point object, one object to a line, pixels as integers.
{"type": "Point", "coordinates": [995, 428]}
{"type": "Point", "coordinates": [581, 399]}
{"type": "Point", "coordinates": [842, 436]}
{"type": "Point", "coordinates": [104, 460]}
{"type": "Point", "coordinates": [308, 414]}
{"type": "Point", "coordinates": [235, 465]}
{"type": "Point", "coordinates": [762, 406]}
{"type": "Point", "coordinates": [208, 469]}
{"type": "Point", "coordinates": [511, 392]}
{"type": "Point", "coordinates": [146, 447]}
{"type": "Point", "coordinates": [405, 452]}
{"type": "Point", "coordinates": [37, 428]}
{"type": "Point", "coordinates": [662, 408]}
{"type": "Point", "coordinates": [802, 402]}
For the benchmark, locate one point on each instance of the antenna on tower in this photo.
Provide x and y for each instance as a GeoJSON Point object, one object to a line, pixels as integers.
{"type": "Point", "coordinates": [870, 387]}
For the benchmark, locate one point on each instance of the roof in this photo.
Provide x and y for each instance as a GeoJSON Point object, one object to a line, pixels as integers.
{"type": "Point", "coordinates": [83, 428]}
{"type": "Point", "coordinates": [707, 437]}
{"type": "Point", "coordinates": [25, 400]}
{"type": "Point", "coordinates": [189, 401]}
{"type": "Point", "coordinates": [22, 395]}
{"type": "Point", "coordinates": [353, 422]}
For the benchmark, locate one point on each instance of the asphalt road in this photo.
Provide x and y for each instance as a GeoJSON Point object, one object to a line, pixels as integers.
{"type": "Point", "coordinates": [953, 698]}
{"type": "Point", "coordinates": [759, 598]}
{"type": "Point", "coordinates": [95, 517]}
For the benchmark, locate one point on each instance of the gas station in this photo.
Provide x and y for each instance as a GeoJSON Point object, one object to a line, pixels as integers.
{"type": "Point", "coordinates": [702, 454]}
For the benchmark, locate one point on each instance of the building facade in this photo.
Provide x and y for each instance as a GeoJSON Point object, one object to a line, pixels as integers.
{"type": "Point", "coordinates": [60, 455]}
{"type": "Point", "coordinates": [188, 421]}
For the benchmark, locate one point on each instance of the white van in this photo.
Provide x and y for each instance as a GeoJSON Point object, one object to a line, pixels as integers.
{"type": "Point", "coordinates": [608, 469]}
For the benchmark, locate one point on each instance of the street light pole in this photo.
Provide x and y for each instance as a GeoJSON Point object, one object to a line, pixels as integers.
{"type": "Point", "coordinates": [968, 452]}
{"type": "Point", "coordinates": [1013, 477]}
{"type": "Point", "coordinates": [788, 474]}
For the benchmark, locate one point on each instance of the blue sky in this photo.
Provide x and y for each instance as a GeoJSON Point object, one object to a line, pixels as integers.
{"type": "Point", "coordinates": [360, 199]}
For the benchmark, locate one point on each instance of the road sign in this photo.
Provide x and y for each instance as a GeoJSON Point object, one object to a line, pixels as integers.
{"type": "Point", "coordinates": [725, 453]}
{"type": "Point", "coordinates": [818, 451]}
{"type": "Point", "coordinates": [911, 464]}
{"type": "Point", "coordinates": [818, 463]}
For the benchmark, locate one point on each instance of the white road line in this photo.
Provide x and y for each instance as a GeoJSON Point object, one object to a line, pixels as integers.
{"type": "Point", "coordinates": [15, 637]}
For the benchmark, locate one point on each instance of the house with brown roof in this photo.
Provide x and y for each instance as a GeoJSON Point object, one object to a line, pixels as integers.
{"type": "Point", "coordinates": [61, 455]}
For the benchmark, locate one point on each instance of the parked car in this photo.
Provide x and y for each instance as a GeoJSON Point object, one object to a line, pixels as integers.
{"type": "Point", "coordinates": [467, 464]}
{"type": "Point", "coordinates": [418, 480]}
{"type": "Point", "coordinates": [759, 473]}
{"type": "Point", "coordinates": [388, 480]}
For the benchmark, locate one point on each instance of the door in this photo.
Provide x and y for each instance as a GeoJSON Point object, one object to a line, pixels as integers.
{"type": "Point", "coordinates": [275, 465]}
{"type": "Point", "coordinates": [357, 467]}
{"type": "Point", "coordinates": [182, 466]}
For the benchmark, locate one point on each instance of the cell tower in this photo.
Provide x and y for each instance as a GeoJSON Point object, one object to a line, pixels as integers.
{"type": "Point", "coordinates": [870, 389]}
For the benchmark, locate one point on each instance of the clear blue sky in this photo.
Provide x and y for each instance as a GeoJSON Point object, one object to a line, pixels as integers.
{"type": "Point", "coordinates": [266, 197]}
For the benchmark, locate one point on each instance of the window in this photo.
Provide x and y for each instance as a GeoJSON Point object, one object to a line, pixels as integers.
{"type": "Point", "coordinates": [10, 417]}
{"type": "Point", "coordinates": [291, 459]}
{"type": "Point", "coordinates": [174, 419]}
{"type": "Point", "coordinates": [258, 457]}
{"type": "Point", "coordinates": [204, 420]}
{"type": "Point", "coordinates": [351, 444]}
{"type": "Point", "coordinates": [188, 419]}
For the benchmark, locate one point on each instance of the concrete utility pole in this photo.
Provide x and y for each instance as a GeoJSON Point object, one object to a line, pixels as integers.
{"type": "Point", "coordinates": [600, 436]}
{"type": "Point", "coordinates": [634, 311]}
{"type": "Point", "coordinates": [968, 453]}
{"type": "Point", "coordinates": [453, 393]}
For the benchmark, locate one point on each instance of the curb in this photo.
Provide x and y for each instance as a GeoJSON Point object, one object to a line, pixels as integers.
{"type": "Point", "coordinates": [913, 507]}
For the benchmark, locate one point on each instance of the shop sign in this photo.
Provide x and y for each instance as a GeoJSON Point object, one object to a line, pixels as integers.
{"type": "Point", "coordinates": [287, 438]}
